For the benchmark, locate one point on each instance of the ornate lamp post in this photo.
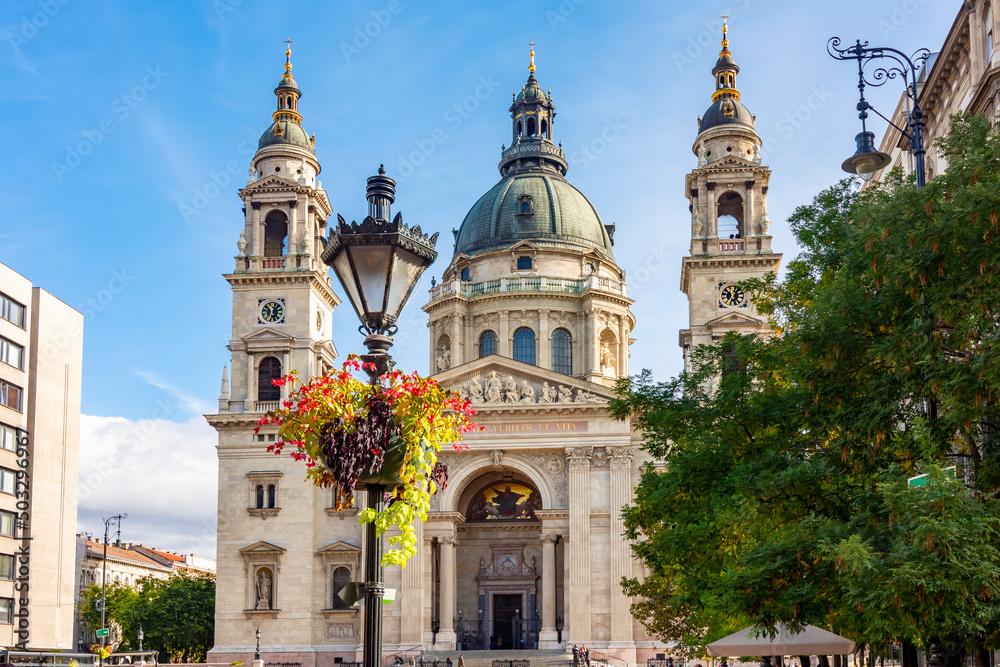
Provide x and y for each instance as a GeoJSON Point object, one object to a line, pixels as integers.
{"type": "Point", "coordinates": [378, 264]}
{"type": "Point", "coordinates": [256, 653]}
{"type": "Point", "coordinates": [117, 520]}
{"type": "Point", "coordinates": [867, 160]}
{"type": "Point", "coordinates": [141, 636]}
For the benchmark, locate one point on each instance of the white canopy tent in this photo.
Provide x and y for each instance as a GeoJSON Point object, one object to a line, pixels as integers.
{"type": "Point", "coordinates": [810, 641]}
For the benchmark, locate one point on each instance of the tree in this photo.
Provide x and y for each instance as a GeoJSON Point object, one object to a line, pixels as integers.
{"type": "Point", "coordinates": [781, 496]}
{"type": "Point", "coordinates": [177, 615]}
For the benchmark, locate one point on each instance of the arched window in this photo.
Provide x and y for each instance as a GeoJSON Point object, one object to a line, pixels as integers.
{"type": "Point", "coordinates": [290, 105]}
{"type": "Point", "coordinates": [487, 344]}
{"type": "Point", "coordinates": [259, 499]}
{"type": "Point", "coordinates": [518, 129]}
{"type": "Point", "coordinates": [988, 42]}
{"type": "Point", "coordinates": [272, 495]}
{"type": "Point", "coordinates": [268, 372]}
{"type": "Point", "coordinates": [730, 216]}
{"type": "Point", "coordinates": [531, 127]}
{"type": "Point", "coordinates": [524, 346]}
{"type": "Point", "coordinates": [341, 577]}
{"type": "Point", "coordinates": [275, 234]}
{"type": "Point", "coordinates": [545, 128]}
{"type": "Point", "coordinates": [562, 352]}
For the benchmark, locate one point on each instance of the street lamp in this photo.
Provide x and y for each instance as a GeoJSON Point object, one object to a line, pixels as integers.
{"type": "Point", "coordinates": [141, 636]}
{"type": "Point", "coordinates": [256, 653]}
{"type": "Point", "coordinates": [867, 161]}
{"type": "Point", "coordinates": [117, 520]}
{"type": "Point", "coordinates": [378, 264]}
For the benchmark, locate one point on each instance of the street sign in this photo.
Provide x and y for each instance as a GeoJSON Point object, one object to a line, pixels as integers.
{"type": "Point", "coordinates": [103, 632]}
{"type": "Point", "coordinates": [924, 480]}
{"type": "Point", "coordinates": [353, 594]}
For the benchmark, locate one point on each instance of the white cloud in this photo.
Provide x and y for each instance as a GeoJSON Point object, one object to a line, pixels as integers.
{"type": "Point", "coordinates": [188, 401]}
{"type": "Point", "coordinates": [163, 474]}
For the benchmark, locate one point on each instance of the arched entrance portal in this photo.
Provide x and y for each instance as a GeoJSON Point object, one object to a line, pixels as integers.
{"type": "Point", "coordinates": [499, 570]}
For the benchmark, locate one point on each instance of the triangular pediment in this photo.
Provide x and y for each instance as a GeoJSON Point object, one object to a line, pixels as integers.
{"type": "Point", "coordinates": [262, 548]}
{"type": "Point", "coordinates": [733, 320]}
{"type": "Point", "coordinates": [477, 381]}
{"type": "Point", "coordinates": [339, 548]}
{"type": "Point", "coordinates": [273, 181]}
{"type": "Point", "coordinates": [266, 334]}
{"type": "Point", "coordinates": [522, 245]}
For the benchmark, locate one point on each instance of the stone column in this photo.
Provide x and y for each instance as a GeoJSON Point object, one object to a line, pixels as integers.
{"type": "Point", "coordinates": [292, 241]}
{"type": "Point", "coordinates": [621, 554]}
{"type": "Point", "coordinates": [577, 592]}
{"type": "Point", "coordinates": [446, 636]}
{"type": "Point", "coordinates": [457, 357]}
{"type": "Point", "coordinates": [749, 212]}
{"type": "Point", "coordinates": [251, 378]}
{"type": "Point", "coordinates": [412, 594]}
{"type": "Point", "coordinates": [595, 342]}
{"type": "Point", "coordinates": [547, 638]}
{"type": "Point", "coordinates": [623, 346]}
{"type": "Point", "coordinates": [544, 344]}
{"type": "Point", "coordinates": [713, 215]}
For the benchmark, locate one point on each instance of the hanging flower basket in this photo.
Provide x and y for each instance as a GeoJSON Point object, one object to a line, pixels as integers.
{"type": "Point", "coordinates": [351, 434]}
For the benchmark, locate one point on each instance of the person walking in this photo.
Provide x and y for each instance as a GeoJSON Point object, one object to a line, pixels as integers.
{"type": "Point", "coordinates": [447, 661]}
{"type": "Point", "coordinates": [461, 660]}
{"type": "Point", "coordinates": [411, 661]}
{"type": "Point", "coordinates": [576, 655]}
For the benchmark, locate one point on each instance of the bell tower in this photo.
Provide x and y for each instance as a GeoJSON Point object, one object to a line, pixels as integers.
{"type": "Point", "coordinates": [730, 229]}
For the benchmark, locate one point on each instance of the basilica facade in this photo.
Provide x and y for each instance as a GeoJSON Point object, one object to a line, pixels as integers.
{"type": "Point", "coordinates": [531, 321]}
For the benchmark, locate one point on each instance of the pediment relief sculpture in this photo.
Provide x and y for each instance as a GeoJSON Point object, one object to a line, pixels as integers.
{"type": "Point", "coordinates": [496, 390]}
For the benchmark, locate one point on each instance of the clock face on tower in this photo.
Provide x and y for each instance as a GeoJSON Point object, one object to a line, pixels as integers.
{"type": "Point", "coordinates": [271, 311]}
{"type": "Point", "coordinates": [731, 296]}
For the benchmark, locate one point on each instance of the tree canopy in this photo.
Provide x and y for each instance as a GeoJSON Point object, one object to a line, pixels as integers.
{"type": "Point", "coordinates": [177, 615]}
{"type": "Point", "coordinates": [780, 492]}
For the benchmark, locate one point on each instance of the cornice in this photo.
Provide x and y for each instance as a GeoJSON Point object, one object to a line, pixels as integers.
{"type": "Point", "coordinates": [313, 279]}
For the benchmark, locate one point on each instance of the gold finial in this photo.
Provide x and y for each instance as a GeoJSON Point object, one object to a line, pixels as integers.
{"type": "Point", "coordinates": [725, 31]}
{"type": "Point", "coordinates": [531, 67]}
{"type": "Point", "coordinates": [288, 57]}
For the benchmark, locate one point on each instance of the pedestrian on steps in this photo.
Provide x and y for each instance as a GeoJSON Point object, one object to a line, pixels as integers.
{"type": "Point", "coordinates": [461, 660]}
{"type": "Point", "coordinates": [447, 661]}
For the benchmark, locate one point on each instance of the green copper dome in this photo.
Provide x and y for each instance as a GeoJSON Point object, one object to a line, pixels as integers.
{"type": "Point", "coordinates": [541, 208]}
{"type": "Point", "coordinates": [287, 133]}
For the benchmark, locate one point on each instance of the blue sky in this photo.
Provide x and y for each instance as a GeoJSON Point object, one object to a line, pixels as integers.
{"type": "Point", "coordinates": [130, 127]}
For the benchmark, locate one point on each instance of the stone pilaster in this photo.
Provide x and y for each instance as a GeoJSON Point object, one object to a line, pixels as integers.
{"type": "Point", "coordinates": [544, 343]}
{"type": "Point", "coordinates": [293, 234]}
{"type": "Point", "coordinates": [578, 593]}
{"type": "Point", "coordinates": [621, 553]}
{"type": "Point", "coordinates": [446, 636]}
{"type": "Point", "coordinates": [547, 638]}
{"type": "Point", "coordinates": [412, 594]}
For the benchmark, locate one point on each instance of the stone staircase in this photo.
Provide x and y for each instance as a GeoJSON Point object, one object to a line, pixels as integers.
{"type": "Point", "coordinates": [555, 658]}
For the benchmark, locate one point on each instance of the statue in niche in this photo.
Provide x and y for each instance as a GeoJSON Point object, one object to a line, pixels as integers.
{"type": "Point", "coordinates": [306, 244]}
{"type": "Point", "coordinates": [476, 392]}
{"type": "Point", "coordinates": [565, 394]}
{"type": "Point", "coordinates": [756, 154]}
{"type": "Point", "coordinates": [264, 590]}
{"type": "Point", "coordinates": [702, 160]}
{"type": "Point", "coordinates": [607, 361]}
{"type": "Point", "coordinates": [696, 225]}
{"type": "Point", "coordinates": [497, 457]}
{"type": "Point", "coordinates": [444, 361]}
{"type": "Point", "coordinates": [548, 394]}
{"type": "Point", "coordinates": [513, 393]}
{"type": "Point", "coordinates": [494, 389]}
{"type": "Point", "coordinates": [527, 393]}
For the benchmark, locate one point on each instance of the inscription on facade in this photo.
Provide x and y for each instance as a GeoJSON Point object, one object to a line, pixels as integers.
{"type": "Point", "coordinates": [537, 427]}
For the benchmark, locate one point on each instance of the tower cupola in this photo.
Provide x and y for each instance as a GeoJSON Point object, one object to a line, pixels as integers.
{"type": "Point", "coordinates": [286, 126]}
{"type": "Point", "coordinates": [726, 109]}
{"type": "Point", "coordinates": [288, 92]}
{"type": "Point", "coordinates": [725, 69]}
{"type": "Point", "coordinates": [532, 114]}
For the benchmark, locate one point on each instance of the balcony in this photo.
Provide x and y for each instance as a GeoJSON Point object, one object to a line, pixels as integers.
{"type": "Point", "coordinates": [265, 406]}
{"type": "Point", "coordinates": [526, 284]}
{"type": "Point", "coordinates": [738, 245]}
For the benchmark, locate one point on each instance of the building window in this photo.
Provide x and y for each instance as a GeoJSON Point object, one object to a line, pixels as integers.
{"type": "Point", "coordinates": [272, 495]}
{"type": "Point", "coordinates": [341, 577]}
{"type": "Point", "coordinates": [10, 395]}
{"type": "Point", "coordinates": [989, 37]}
{"type": "Point", "coordinates": [525, 205]}
{"type": "Point", "coordinates": [259, 502]}
{"type": "Point", "coordinates": [8, 481]}
{"type": "Point", "coordinates": [11, 310]}
{"type": "Point", "coordinates": [562, 352]}
{"type": "Point", "coordinates": [6, 567]}
{"type": "Point", "coordinates": [487, 344]}
{"type": "Point", "coordinates": [8, 522]}
{"type": "Point", "coordinates": [12, 354]}
{"type": "Point", "coordinates": [6, 610]}
{"type": "Point", "coordinates": [275, 234]}
{"type": "Point", "coordinates": [524, 346]}
{"type": "Point", "coordinates": [523, 263]}
{"type": "Point", "coordinates": [268, 371]}
{"type": "Point", "coordinates": [465, 274]}
{"type": "Point", "coordinates": [8, 437]}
